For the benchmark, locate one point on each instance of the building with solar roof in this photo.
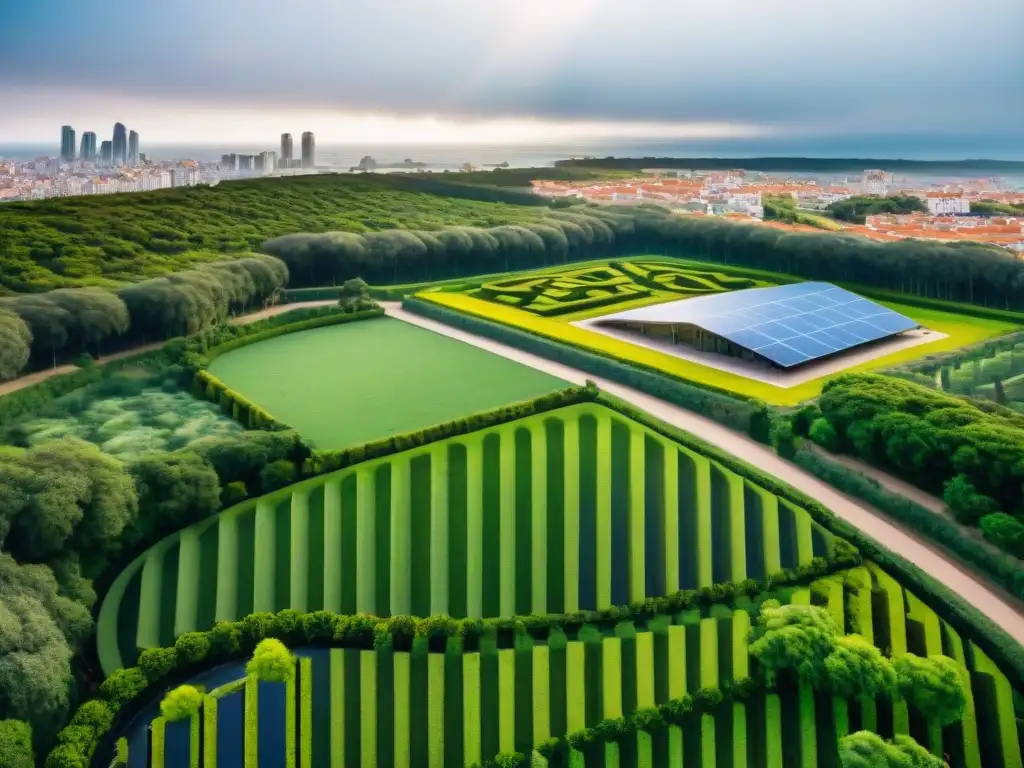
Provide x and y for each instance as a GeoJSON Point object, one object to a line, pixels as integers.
{"type": "Point", "coordinates": [784, 326]}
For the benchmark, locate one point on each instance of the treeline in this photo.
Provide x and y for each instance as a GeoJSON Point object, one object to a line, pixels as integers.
{"type": "Point", "coordinates": [962, 272]}
{"type": "Point", "coordinates": [801, 164]}
{"type": "Point", "coordinates": [855, 209]}
{"type": "Point", "coordinates": [40, 330]}
{"type": "Point", "coordinates": [970, 455]}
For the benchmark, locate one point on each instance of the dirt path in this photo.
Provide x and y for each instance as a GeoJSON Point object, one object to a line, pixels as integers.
{"type": "Point", "coordinates": [903, 541]}
{"type": "Point", "coordinates": [34, 378]}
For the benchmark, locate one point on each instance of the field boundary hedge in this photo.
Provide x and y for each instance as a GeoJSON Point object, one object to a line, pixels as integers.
{"type": "Point", "coordinates": [208, 387]}
{"type": "Point", "coordinates": [160, 668]}
{"type": "Point", "coordinates": [949, 605]}
{"type": "Point", "coordinates": [736, 412]}
{"type": "Point", "coordinates": [322, 462]}
{"type": "Point", "coordinates": [1001, 567]}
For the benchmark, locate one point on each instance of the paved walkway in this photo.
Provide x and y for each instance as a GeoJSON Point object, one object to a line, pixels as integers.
{"type": "Point", "coordinates": [974, 589]}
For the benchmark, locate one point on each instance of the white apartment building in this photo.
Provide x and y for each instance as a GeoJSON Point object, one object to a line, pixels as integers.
{"type": "Point", "coordinates": [946, 203]}
{"type": "Point", "coordinates": [875, 183]}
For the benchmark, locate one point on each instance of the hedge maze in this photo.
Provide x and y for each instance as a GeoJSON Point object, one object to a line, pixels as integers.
{"type": "Point", "coordinates": [462, 706]}
{"type": "Point", "coordinates": [576, 509]}
{"type": "Point", "coordinates": [586, 288]}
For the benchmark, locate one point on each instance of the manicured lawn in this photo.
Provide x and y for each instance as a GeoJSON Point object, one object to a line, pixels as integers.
{"type": "Point", "coordinates": [961, 331]}
{"type": "Point", "coordinates": [347, 384]}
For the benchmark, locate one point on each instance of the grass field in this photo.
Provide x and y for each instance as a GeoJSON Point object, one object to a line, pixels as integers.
{"type": "Point", "coordinates": [348, 384]}
{"type": "Point", "coordinates": [360, 708]}
{"type": "Point", "coordinates": [960, 330]}
{"type": "Point", "coordinates": [576, 509]}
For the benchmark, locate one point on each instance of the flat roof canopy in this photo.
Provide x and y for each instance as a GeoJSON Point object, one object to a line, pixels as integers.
{"type": "Point", "coordinates": [787, 324]}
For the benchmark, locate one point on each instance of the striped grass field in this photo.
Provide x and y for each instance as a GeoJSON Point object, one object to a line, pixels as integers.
{"type": "Point", "coordinates": [522, 518]}
{"type": "Point", "coordinates": [417, 708]}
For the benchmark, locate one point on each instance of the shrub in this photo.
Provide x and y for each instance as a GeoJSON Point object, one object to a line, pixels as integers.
{"type": "Point", "coordinates": [192, 647]}
{"type": "Point", "coordinates": [84, 360]}
{"type": "Point", "coordinates": [277, 474]}
{"type": "Point", "coordinates": [967, 505]}
{"type": "Point", "coordinates": [181, 703]}
{"type": "Point", "coordinates": [123, 685]}
{"type": "Point", "coordinates": [1005, 531]}
{"type": "Point", "coordinates": [822, 432]}
{"type": "Point", "coordinates": [156, 663]}
{"type": "Point", "coordinates": [16, 745]}
{"type": "Point", "coordinates": [865, 749]}
{"type": "Point", "coordinates": [272, 662]}
{"type": "Point", "coordinates": [233, 493]}
{"type": "Point", "coordinates": [933, 685]}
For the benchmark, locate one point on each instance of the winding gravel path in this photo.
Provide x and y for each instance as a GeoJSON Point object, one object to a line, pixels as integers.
{"type": "Point", "coordinates": [977, 591]}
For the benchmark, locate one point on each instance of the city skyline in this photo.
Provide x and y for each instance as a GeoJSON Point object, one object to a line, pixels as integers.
{"type": "Point", "coordinates": [516, 71]}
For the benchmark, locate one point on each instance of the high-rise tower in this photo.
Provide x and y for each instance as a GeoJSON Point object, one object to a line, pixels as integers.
{"type": "Point", "coordinates": [67, 143]}
{"type": "Point", "coordinates": [308, 150]}
{"type": "Point", "coordinates": [119, 147]}
{"type": "Point", "coordinates": [106, 153]}
{"type": "Point", "coordinates": [133, 148]}
{"type": "Point", "coordinates": [88, 152]}
{"type": "Point", "coordinates": [286, 150]}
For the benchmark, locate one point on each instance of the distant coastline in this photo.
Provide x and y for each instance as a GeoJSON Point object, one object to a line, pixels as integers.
{"type": "Point", "coordinates": [799, 164]}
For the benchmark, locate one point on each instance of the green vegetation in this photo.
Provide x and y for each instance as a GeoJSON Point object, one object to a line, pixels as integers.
{"type": "Point", "coordinates": [126, 238]}
{"type": "Point", "coordinates": [398, 377]}
{"type": "Point", "coordinates": [181, 703]}
{"type": "Point", "coordinates": [864, 749]}
{"type": "Point", "coordinates": [783, 208]}
{"type": "Point", "coordinates": [16, 745]}
{"type": "Point", "coordinates": [992, 208]}
{"type": "Point", "coordinates": [962, 450]}
{"type": "Point", "coordinates": [856, 208]}
{"type": "Point", "coordinates": [271, 662]}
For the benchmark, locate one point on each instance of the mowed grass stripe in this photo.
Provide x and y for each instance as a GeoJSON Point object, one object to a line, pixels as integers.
{"type": "Point", "coordinates": [555, 514]}
{"type": "Point", "coordinates": [457, 530]}
{"type": "Point", "coordinates": [315, 548]}
{"type": "Point", "coordinates": [403, 381]}
{"type": "Point", "coordinates": [282, 554]}
{"type": "Point", "coordinates": [587, 513]}
{"type": "Point", "coordinates": [523, 532]}
{"type": "Point", "coordinates": [619, 515]}
{"type": "Point", "coordinates": [491, 526]}
{"type": "Point", "coordinates": [419, 478]}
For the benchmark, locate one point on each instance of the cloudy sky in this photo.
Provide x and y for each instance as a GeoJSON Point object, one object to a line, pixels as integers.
{"type": "Point", "coordinates": [498, 70]}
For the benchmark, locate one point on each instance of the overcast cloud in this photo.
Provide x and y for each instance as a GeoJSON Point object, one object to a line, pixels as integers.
{"type": "Point", "coordinates": [791, 65]}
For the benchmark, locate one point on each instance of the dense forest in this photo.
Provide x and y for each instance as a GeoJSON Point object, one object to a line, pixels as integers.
{"type": "Point", "coordinates": [801, 164]}
{"type": "Point", "coordinates": [112, 239]}
{"type": "Point", "coordinates": [992, 208]}
{"type": "Point", "coordinates": [855, 209]}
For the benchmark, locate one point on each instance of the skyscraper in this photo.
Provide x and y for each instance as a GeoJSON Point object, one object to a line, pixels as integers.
{"type": "Point", "coordinates": [88, 153]}
{"type": "Point", "coordinates": [119, 148]}
{"type": "Point", "coordinates": [308, 150]}
{"type": "Point", "coordinates": [67, 143]}
{"type": "Point", "coordinates": [106, 153]}
{"type": "Point", "coordinates": [286, 150]}
{"type": "Point", "coordinates": [133, 148]}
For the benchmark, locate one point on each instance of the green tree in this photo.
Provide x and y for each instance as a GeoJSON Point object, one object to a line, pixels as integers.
{"type": "Point", "coordinates": [865, 749]}
{"type": "Point", "coordinates": [272, 662]}
{"type": "Point", "coordinates": [823, 433]}
{"type": "Point", "coordinates": [181, 703]}
{"type": "Point", "coordinates": [855, 667]}
{"type": "Point", "coordinates": [16, 744]}
{"type": "Point", "coordinates": [793, 637]}
{"type": "Point", "coordinates": [963, 500]}
{"type": "Point", "coordinates": [1005, 531]}
{"type": "Point", "coordinates": [15, 345]}
{"type": "Point", "coordinates": [277, 474]}
{"type": "Point", "coordinates": [175, 490]}
{"type": "Point", "coordinates": [933, 685]}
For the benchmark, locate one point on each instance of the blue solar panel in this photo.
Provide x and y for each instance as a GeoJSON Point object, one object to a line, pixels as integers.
{"type": "Point", "coordinates": [787, 324]}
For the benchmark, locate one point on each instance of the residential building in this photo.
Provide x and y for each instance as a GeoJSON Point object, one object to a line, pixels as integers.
{"type": "Point", "coordinates": [245, 162]}
{"type": "Point", "coordinates": [945, 203]}
{"type": "Point", "coordinates": [308, 150]}
{"type": "Point", "coordinates": [229, 162]}
{"type": "Point", "coordinates": [106, 153]}
{"type": "Point", "coordinates": [119, 146]}
{"type": "Point", "coordinates": [875, 183]}
{"type": "Point", "coordinates": [133, 148]}
{"type": "Point", "coordinates": [67, 143]}
{"type": "Point", "coordinates": [88, 152]}
{"type": "Point", "coordinates": [286, 150]}
{"type": "Point", "coordinates": [268, 161]}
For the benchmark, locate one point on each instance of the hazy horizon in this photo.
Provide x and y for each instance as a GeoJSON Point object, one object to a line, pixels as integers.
{"type": "Point", "coordinates": [512, 71]}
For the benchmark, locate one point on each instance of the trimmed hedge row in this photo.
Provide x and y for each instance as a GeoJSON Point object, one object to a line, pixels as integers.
{"type": "Point", "coordinates": [950, 606]}
{"type": "Point", "coordinates": [328, 461]}
{"type": "Point", "coordinates": [206, 386]}
{"type": "Point", "coordinates": [1004, 569]}
{"type": "Point", "coordinates": [96, 722]}
{"type": "Point", "coordinates": [742, 414]}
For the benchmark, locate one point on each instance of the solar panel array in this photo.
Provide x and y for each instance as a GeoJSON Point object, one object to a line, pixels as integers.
{"type": "Point", "coordinates": [788, 324]}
